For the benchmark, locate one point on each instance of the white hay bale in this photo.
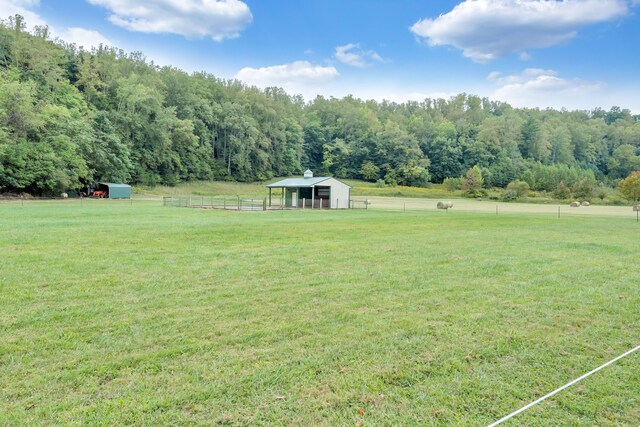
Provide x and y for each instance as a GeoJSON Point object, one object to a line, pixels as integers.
{"type": "Point", "coordinates": [445, 205]}
{"type": "Point", "coordinates": [585, 203]}
{"type": "Point", "coordinates": [575, 204]}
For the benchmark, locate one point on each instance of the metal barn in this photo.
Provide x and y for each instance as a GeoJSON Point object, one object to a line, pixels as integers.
{"type": "Point", "coordinates": [312, 192]}
{"type": "Point", "coordinates": [115, 191]}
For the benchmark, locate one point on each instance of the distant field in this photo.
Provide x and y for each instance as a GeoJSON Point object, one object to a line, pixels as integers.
{"type": "Point", "coordinates": [502, 208]}
{"type": "Point", "coordinates": [259, 189]}
{"type": "Point", "coordinates": [359, 189]}
{"type": "Point", "coordinates": [208, 188]}
{"type": "Point", "coordinates": [131, 313]}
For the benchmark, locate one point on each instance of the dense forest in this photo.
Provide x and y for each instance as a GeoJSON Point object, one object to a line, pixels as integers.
{"type": "Point", "coordinates": [70, 117]}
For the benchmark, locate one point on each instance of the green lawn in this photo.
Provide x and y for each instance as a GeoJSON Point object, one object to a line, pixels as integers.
{"type": "Point", "coordinates": [112, 313]}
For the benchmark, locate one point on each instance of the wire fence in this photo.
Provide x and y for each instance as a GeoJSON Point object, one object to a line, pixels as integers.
{"type": "Point", "coordinates": [218, 202]}
{"type": "Point", "coordinates": [26, 200]}
{"type": "Point", "coordinates": [359, 204]}
{"type": "Point", "coordinates": [397, 204]}
{"type": "Point", "coordinates": [247, 204]}
{"type": "Point", "coordinates": [376, 203]}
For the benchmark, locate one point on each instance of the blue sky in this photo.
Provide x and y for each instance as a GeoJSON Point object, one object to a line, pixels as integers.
{"type": "Point", "coordinates": [577, 54]}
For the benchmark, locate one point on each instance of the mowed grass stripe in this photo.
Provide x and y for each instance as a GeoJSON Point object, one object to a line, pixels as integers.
{"type": "Point", "coordinates": [141, 314]}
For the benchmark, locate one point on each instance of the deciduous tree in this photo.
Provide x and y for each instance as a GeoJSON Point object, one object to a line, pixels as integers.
{"type": "Point", "coordinates": [630, 186]}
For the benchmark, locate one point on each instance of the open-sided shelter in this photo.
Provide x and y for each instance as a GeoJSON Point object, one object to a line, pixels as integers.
{"type": "Point", "coordinates": [115, 191]}
{"type": "Point", "coordinates": [312, 192]}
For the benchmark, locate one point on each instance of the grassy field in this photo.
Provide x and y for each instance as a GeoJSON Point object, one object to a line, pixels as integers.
{"type": "Point", "coordinates": [117, 313]}
{"type": "Point", "coordinates": [358, 189]}
{"type": "Point", "coordinates": [501, 208]}
{"type": "Point", "coordinates": [259, 189]}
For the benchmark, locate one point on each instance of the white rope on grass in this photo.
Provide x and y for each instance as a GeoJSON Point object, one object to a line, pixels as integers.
{"type": "Point", "coordinates": [513, 414]}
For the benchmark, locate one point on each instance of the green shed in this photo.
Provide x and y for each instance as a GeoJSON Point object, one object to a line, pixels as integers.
{"type": "Point", "coordinates": [115, 191]}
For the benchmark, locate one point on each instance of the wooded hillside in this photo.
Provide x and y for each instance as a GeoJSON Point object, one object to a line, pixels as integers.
{"type": "Point", "coordinates": [69, 117]}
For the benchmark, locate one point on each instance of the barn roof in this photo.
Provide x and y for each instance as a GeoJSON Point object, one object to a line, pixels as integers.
{"type": "Point", "coordinates": [298, 182]}
{"type": "Point", "coordinates": [114, 185]}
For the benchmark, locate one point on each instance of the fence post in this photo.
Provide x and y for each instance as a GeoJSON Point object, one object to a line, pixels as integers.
{"type": "Point", "coordinates": [239, 203]}
{"type": "Point", "coordinates": [81, 201]}
{"type": "Point", "coordinates": [558, 211]}
{"type": "Point", "coordinates": [264, 204]}
{"type": "Point", "coordinates": [304, 202]}
{"type": "Point", "coordinates": [22, 201]}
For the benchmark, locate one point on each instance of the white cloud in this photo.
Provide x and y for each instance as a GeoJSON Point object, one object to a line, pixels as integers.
{"type": "Point", "coordinates": [536, 87]}
{"type": "Point", "coordinates": [77, 35]}
{"type": "Point", "coordinates": [488, 29]}
{"type": "Point", "coordinates": [21, 7]}
{"type": "Point", "coordinates": [525, 56]}
{"type": "Point", "coordinates": [218, 19]}
{"type": "Point", "coordinates": [84, 38]}
{"type": "Point", "coordinates": [299, 77]}
{"type": "Point", "coordinates": [351, 54]}
{"type": "Point", "coordinates": [301, 72]}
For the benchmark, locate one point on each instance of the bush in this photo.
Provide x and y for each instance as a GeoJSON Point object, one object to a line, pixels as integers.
{"type": "Point", "coordinates": [472, 182]}
{"type": "Point", "coordinates": [520, 188]}
{"type": "Point", "coordinates": [369, 171]}
{"type": "Point", "coordinates": [583, 189]}
{"type": "Point", "coordinates": [391, 178]}
{"type": "Point", "coordinates": [601, 192]}
{"type": "Point", "coordinates": [510, 195]}
{"type": "Point", "coordinates": [452, 184]}
{"type": "Point", "coordinates": [561, 192]}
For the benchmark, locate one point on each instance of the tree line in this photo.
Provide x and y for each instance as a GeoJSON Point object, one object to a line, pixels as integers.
{"type": "Point", "coordinates": [71, 117]}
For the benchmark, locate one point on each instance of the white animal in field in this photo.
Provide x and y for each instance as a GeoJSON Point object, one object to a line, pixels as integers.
{"type": "Point", "coordinates": [65, 195]}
